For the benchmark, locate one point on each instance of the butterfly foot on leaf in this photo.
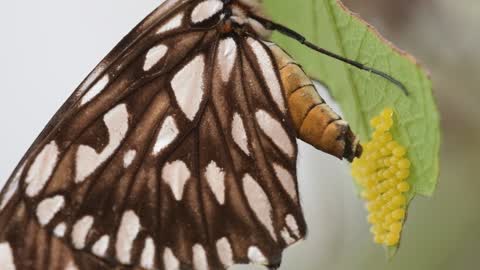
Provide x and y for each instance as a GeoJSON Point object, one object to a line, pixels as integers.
{"type": "Point", "coordinates": [274, 266]}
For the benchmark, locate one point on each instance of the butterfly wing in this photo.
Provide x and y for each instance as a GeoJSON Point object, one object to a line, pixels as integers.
{"type": "Point", "coordinates": [177, 150]}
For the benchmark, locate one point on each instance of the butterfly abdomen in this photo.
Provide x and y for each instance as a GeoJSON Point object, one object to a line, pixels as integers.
{"type": "Point", "coordinates": [315, 122]}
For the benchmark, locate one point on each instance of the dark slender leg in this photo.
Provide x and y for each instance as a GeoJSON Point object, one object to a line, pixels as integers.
{"type": "Point", "coordinates": [292, 34]}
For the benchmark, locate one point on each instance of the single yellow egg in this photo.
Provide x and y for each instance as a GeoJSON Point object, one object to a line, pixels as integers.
{"type": "Point", "coordinates": [392, 239]}
{"type": "Point", "coordinates": [398, 214]}
{"type": "Point", "coordinates": [379, 239]}
{"type": "Point", "coordinates": [403, 186]}
{"type": "Point", "coordinates": [387, 113]}
{"type": "Point", "coordinates": [403, 163]}
{"type": "Point", "coordinates": [399, 151]}
{"type": "Point", "coordinates": [399, 200]}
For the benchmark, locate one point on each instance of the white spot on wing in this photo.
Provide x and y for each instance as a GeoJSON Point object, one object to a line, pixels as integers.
{"type": "Point", "coordinates": [129, 157]}
{"type": "Point", "coordinates": [48, 208]}
{"type": "Point", "coordinates": [41, 169]}
{"type": "Point", "coordinates": [176, 174]}
{"type": "Point", "coordinates": [216, 180]}
{"type": "Point", "coordinates": [80, 231]}
{"type": "Point", "coordinates": [227, 53]}
{"type": "Point", "coordinates": [259, 203]}
{"type": "Point", "coordinates": [286, 179]}
{"type": "Point", "coordinates": [292, 225]}
{"type": "Point", "coordinates": [205, 10]}
{"type": "Point", "coordinates": [167, 135]}
{"type": "Point", "coordinates": [60, 230]}
{"type": "Point", "coordinates": [199, 258]}
{"type": "Point", "coordinates": [172, 24]}
{"type": "Point", "coordinates": [6, 257]}
{"type": "Point", "coordinates": [256, 256]}
{"type": "Point", "coordinates": [148, 254]}
{"type": "Point", "coordinates": [268, 72]}
{"type": "Point", "coordinates": [71, 266]}
{"type": "Point", "coordinates": [239, 134]}
{"type": "Point", "coordinates": [96, 89]}
{"type": "Point", "coordinates": [100, 247]}
{"type": "Point", "coordinates": [171, 262]}
{"type": "Point", "coordinates": [127, 233]}
{"type": "Point", "coordinates": [225, 253]}
{"type": "Point", "coordinates": [188, 86]}
{"type": "Point", "coordinates": [91, 78]}
{"type": "Point", "coordinates": [273, 129]}
{"type": "Point", "coordinates": [12, 188]}
{"type": "Point", "coordinates": [286, 237]}
{"type": "Point", "coordinates": [154, 55]}
{"type": "Point", "coordinates": [88, 159]}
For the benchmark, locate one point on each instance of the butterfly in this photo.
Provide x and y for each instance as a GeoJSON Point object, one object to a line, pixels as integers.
{"type": "Point", "coordinates": [177, 152]}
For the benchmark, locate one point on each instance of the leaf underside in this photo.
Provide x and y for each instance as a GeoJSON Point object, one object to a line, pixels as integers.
{"type": "Point", "coordinates": [361, 95]}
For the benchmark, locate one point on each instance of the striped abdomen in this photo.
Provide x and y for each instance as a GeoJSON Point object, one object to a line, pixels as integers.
{"type": "Point", "coordinates": [315, 122]}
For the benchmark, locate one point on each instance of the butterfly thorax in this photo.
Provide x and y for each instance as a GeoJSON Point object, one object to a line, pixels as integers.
{"type": "Point", "coordinates": [232, 16]}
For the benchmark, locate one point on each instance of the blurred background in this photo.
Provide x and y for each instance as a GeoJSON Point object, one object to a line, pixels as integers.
{"type": "Point", "coordinates": [47, 47]}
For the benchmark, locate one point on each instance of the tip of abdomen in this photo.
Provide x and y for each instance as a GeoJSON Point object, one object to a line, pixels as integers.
{"type": "Point", "coordinates": [353, 148]}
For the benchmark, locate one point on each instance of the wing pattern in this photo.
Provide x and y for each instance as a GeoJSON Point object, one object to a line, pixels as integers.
{"type": "Point", "coordinates": [181, 155]}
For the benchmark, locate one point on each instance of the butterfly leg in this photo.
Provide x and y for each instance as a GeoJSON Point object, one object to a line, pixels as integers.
{"type": "Point", "coordinates": [274, 265]}
{"type": "Point", "coordinates": [292, 34]}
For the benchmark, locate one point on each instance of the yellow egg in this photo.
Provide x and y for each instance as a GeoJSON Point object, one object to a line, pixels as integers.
{"type": "Point", "coordinates": [403, 163]}
{"type": "Point", "coordinates": [398, 214]}
{"type": "Point", "coordinates": [403, 186]}
{"type": "Point", "coordinates": [391, 206]}
{"type": "Point", "coordinates": [391, 182]}
{"type": "Point", "coordinates": [375, 155]}
{"type": "Point", "coordinates": [387, 113]}
{"type": "Point", "coordinates": [382, 214]}
{"type": "Point", "coordinates": [389, 219]}
{"type": "Point", "coordinates": [364, 194]}
{"type": "Point", "coordinates": [392, 145]}
{"type": "Point", "coordinates": [387, 137]}
{"type": "Point", "coordinates": [372, 206]}
{"type": "Point", "coordinates": [388, 195]}
{"type": "Point", "coordinates": [403, 174]}
{"type": "Point", "coordinates": [377, 229]}
{"type": "Point", "coordinates": [375, 121]}
{"type": "Point", "coordinates": [379, 239]}
{"type": "Point", "coordinates": [392, 239]}
{"type": "Point", "coordinates": [383, 127]}
{"type": "Point", "coordinates": [389, 173]}
{"type": "Point", "coordinates": [386, 162]}
{"type": "Point", "coordinates": [399, 151]}
{"type": "Point", "coordinates": [370, 182]}
{"type": "Point", "coordinates": [399, 200]}
{"type": "Point", "coordinates": [396, 227]}
{"type": "Point", "coordinates": [376, 135]}
{"type": "Point", "coordinates": [385, 152]}
{"type": "Point", "coordinates": [388, 123]}
{"type": "Point", "coordinates": [394, 160]}
{"type": "Point", "coordinates": [382, 188]}
{"type": "Point", "coordinates": [373, 219]}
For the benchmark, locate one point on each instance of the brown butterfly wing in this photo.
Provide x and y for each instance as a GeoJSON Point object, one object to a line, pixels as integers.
{"type": "Point", "coordinates": [177, 151]}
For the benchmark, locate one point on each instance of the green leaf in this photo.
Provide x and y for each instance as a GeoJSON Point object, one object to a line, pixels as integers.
{"type": "Point", "coordinates": [360, 94]}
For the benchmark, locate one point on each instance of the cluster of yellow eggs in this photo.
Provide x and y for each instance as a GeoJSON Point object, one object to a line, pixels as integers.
{"type": "Point", "coordinates": [382, 172]}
